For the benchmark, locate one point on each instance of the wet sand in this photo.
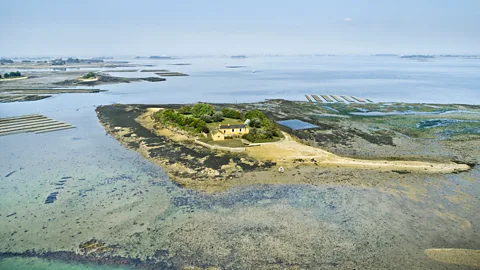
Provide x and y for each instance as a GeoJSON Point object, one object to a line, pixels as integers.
{"type": "Point", "coordinates": [455, 256]}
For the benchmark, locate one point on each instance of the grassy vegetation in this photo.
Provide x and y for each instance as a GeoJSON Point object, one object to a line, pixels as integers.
{"type": "Point", "coordinates": [225, 121]}
{"type": "Point", "coordinates": [225, 143]}
{"type": "Point", "coordinates": [89, 75]}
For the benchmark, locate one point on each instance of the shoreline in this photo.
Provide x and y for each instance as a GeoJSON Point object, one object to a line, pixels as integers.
{"type": "Point", "coordinates": [13, 79]}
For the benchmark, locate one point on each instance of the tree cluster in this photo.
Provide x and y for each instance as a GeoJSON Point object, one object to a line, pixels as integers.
{"type": "Point", "coordinates": [200, 109]}
{"type": "Point", "coordinates": [262, 129]}
{"type": "Point", "coordinates": [231, 113]}
{"type": "Point", "coordinates": [12, 75]}
{"type": "Point", "coordinates": [187, 109]}
{"type": "Point", "coordinates": [89, 75]}
{"type": "Point", "coordinates": [6, 61]}
{"type": "Point", "coordinates": [169, 116]}
{"type": "Point", "coordinates": [257, 119]}
{"type": "Point", "coordinates": [256, 135]}
{"type": "Point", "coordinates": [73, 60]}
{"type": "Point", "coordinates": [216, 117]}
{"type": "Point", "coordinates": [58, 62]}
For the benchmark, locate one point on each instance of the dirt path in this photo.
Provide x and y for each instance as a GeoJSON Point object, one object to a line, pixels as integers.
{"type": "Point", "coordinates": [286, 151]}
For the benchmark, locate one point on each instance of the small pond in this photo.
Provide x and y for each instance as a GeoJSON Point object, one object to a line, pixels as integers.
{"type": "Point", "coordinates": [296, 124]}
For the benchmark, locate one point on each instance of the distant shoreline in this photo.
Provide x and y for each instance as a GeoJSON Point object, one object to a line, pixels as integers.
{"type": "Point", "coordinates": [13, 79]}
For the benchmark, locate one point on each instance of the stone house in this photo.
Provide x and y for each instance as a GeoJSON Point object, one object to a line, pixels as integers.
{"type": "Point", "coordinates": [229, 131]}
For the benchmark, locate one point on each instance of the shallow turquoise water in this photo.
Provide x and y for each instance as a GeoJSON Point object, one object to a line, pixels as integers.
{"type": "Point", "coordinates": [41, 264]}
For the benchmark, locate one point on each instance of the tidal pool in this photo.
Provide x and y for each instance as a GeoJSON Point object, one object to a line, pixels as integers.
{"type": "Point", "coordinates": [296, 124]}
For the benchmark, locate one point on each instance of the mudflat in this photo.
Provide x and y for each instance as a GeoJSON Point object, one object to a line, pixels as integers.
{"type": "Point", "coordinates": [42, 84]}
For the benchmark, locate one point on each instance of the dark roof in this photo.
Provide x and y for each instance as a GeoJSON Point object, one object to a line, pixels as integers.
{"type": "Point", "coordinates": [231, 126]}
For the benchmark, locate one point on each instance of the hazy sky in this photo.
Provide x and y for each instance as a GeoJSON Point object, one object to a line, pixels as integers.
{"type": "Point", "coordinates": [182, 27]}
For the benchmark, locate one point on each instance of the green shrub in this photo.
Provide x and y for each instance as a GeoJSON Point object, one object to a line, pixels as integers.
{"type": "Point", "coordinates": [170, 117]}
{"type": "Point", "coordinates": [6, 75]}
{"type": "Point", "coordinates": [89, 75]}
{"type": "Point", "coordinates": [255, 122]}
{"type": "Point", "coordinates": [249, 137]}
{"type": "Point", "coordinates": [217, 117]}
{"type": "Point", "coordinates": [202, 108]}
{"type": "Point", "coordinates": [231, 113]}
{"type": "Point", "coordinates": [187, 109]}
{"type": "Point", "coordinates": [207, 118]}
{"type": "Point", "coordinates": [255, 114]}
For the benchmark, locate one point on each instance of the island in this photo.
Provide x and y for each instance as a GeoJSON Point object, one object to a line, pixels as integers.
{"type": "Point", "coordinates": [418, 56]}
{"type": "Point", "coordinates": [70, 62]}
{"type": "Point", "coordinates": [156, 57]}
{"type": "Point", "coordinates": [12, 76]}
{"type": "Point", "coordinates": [14, 87]}
{"type": "Point", "coordinates": [93, 78]}
{"type": "Point", "coordinates": [4, 61]}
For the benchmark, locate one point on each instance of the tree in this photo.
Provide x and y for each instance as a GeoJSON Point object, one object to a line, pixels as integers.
{"type": "Point", "coordinates": [217, 117]}
{"type": "Point", "coordinates": [255, 122]}
{"type": "Point", "coordinates": [272, 128]}
{"type": "Point", "coordinates": [257, 114]}
{"type": "Point", "coordinates": [14, 74]}
{"type": "Point", "coordinates": [231, 113]}
{"type": "Point", "coordinates": [207, 118]}
{"type": "Point", "coordinates": [254, 114]}
{"type": "Point", "coordinates": [185, 109]}
{"type": "Point", "coordinates": [89, 75]}
{"type": "Point", "coordinates": [6, 75]}
{"type": "Point", "coordinates": [201, 126]}
{"type": "Point", "coordinates": [202, 108]}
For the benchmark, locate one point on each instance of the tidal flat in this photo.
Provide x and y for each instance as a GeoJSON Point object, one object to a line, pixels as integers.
{"type": "Point", "coordinates": [118, 209]}
{"type": "Point", "coordinates": [43, 84]}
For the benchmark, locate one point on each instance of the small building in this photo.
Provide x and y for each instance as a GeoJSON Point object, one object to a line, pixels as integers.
{"type": "Point", "coordinates": [217, 135]}
{"type": "Point", "coordinates": [229, 131]}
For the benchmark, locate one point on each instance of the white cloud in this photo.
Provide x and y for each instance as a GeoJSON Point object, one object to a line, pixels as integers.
{"type": "Point", "coordinates": [348, 19]}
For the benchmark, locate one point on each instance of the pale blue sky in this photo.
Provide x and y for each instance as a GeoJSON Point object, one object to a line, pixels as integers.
{"type": "Point", "coordinates": [185, 27]}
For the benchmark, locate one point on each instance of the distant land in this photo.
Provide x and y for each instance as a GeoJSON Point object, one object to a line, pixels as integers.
{"type": "Point", "coordinates": [385, 54]}
{"type": "Point", "coordinates": [160, 57]}
{"type": "Point", "coordinates": [417, 56]}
